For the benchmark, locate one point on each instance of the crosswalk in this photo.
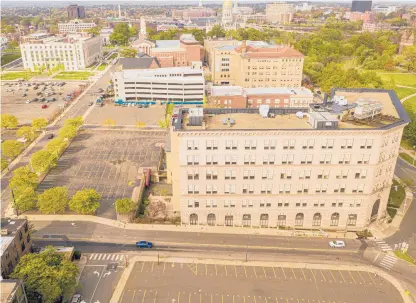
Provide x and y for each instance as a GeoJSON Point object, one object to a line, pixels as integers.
{"type": "Point", "coordinates": [383, 245]}
{"type": "Point", "coordinates": [388, 262]}
{"type": "Point", "coordinates": [106, 257]}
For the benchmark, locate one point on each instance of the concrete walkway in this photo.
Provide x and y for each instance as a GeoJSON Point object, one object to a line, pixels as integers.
{"type": "Point", "coordinates": [124, 278]}
{"type": "Point", "coordinates": [408, 97]}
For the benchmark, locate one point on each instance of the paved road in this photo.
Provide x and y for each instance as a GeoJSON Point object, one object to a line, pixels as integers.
{"type": "Point", "coordinates": [77, 110]}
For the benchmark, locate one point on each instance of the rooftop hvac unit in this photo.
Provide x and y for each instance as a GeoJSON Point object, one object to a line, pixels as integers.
{"type": "Point", "coordinates": [4, 232]}
{"type": "Point", "coordinates": [299, 115]}
{"type": "Point", "coordinates": [367, 108]}
{"type": "Point", "coordinates": [195, 116]}
{"type": "Point", "coordinates": [340, 100]}
{"type": "Point", "coordinates": [264, 110]}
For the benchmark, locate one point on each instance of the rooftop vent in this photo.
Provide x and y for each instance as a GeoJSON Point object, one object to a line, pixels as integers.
{"type": "Point", "coordinates": [195, 116]}
{"type": "Point", "coordinates": [4, 232]}
{"type": "Point", "coordinates": [340, 100]}
{"type": "Point", "coordinates": [367, 108]}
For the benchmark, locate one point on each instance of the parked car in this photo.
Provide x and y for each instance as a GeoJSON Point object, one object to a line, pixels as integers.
{"type": "Point", "coordinates": [44, 106]}
{"type": "Point", "coordinates": [337, 244]}
{"type": "Point", "coordinates": [28, 101]}
{"type": "Point", "coordinates": [24, 95]}
{"type": "Point", "coordinates": [144, 244]}
{"type": "Point", "coordinates": [76, 298]}
{"type": "Point", "coordinates": [50, 136]}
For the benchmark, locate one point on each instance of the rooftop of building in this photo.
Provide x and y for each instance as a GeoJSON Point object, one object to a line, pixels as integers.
{"type": "Point", "coordinates": [8, 288]}
{"type": "Point", "coordinates": [238, 90]}
{"type": "Point", "coordinates": [142, 62]}
{"type": "Point", "coordinates": [12, 225]}
{"type": "Point", "coordinates": [345, 109]}
{"type": "Point", "coordinates": [234, 43]}
{"type": "Point", "coordinates": [70, 38]}
{"type": "Point", "coordinates": [169, 71]}
{"type": "Point", "coordinates": [268, 51]}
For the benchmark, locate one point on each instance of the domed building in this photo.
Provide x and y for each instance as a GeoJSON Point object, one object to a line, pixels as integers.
{"type": "Point", "coordinates": [227, 13]}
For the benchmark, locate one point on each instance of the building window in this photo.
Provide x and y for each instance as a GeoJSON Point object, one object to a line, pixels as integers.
{"type": "Point", "coordinates": [193, 219]}
{"type": "Point", "coordinates": [281, 220]}
{"type": "Point", "coordinates": [352, 220]}
{"type": "Point", "coordinates": [212, 144]}
{"type": "Point", "coordinates": [229, 220]}
{"type": "Point", "coordinates": [246, 220]}
{"type": "Point", "coordinates": [317, 219]}
{"type": "Point", "coordinates": [335, 219]}
{"type": "Point", "coordinates": [299, 219]}
{"type": "Point", "coordinates": [264, 220]}
{"type": "Point", "coordinates": [211, 220]}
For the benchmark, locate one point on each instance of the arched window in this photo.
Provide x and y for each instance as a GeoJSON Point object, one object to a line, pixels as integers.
{"type": "Point", "coordinates": [352, 220]}
{"type": "Point", "coordinates": [211, 219]}
{"type": "Point", "coordinates": [246, 220]}
{"type": "Point", "coordinates": [229, 220]}
{"type": "Point", "coordinates": [317, 219]}
{"type": "Point", "coordinates": [264, 220]}
{"type": "Point", "coordinates": [281, 220]}
{"type": "Point", "coordinates": [335, 219]}
{"type": "Point", "coordinates": [299, 219]}
{"type": "Point", "coordinates": [193, 219]}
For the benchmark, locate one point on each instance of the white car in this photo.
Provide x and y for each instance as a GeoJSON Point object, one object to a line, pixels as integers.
{"type": "Point", "coordinates": [337, 244]}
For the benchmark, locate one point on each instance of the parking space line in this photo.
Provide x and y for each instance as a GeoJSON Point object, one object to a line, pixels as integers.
{"type": "Point", "coordinates": [142, 266]}
{"type": "Point", "coordinates": [265, 275]}
{"type": "Point", "coordinates": [277, 301]}
{"type": "Point", "coordinates": [189, 298]}
{"type": "Point", "coordinates": [322, 275]}
{"type": "Point", "coordinates": [333, 278]}
{"type": "Point", "coordinates": [352, 277]}
{"type": "Point", "coordinates": [134, 294]}
{"type": "Point", "coordinates": [226, 274]}
{"type": "Point", "coordinates": [303, 273]}
{"type": "Point", "coordinates": [293, 273]}
{"type": "Point", "coordinates": [283, 272]}
{"type": "Point", "coordinates": [274, 274]}
{"type": "Point", "coordinates": [153, 264]}
{"type": "Point", "coordinates": [233, 299]}
{"type": "Point", "coordinates": [313, 275]}
{"type": "Point", "coordinates": [266, 299]}
{"type": "Point", "coordinates": [342, 276]}
{"type": "Point", "coordinates": [154, 300]}
{"type": "Point", "coordinates": [245, 271]}
{"type": "Point", "coordinates": [164, 267]}
{"type": "Point", "coordinates": [144, 295]}
{"type": "Point", "coordinates": [235, 270]}
{"type": "Point", "coordinates": [255, 301]}
{"type": "Point", "coordinates": [211, 298]}
{"type": "Point", "coordinates": [216, 272]}
{"type": "Point", "coordinates": [206, 269]}
{"type": "Point", "coordinates": [255, 273]}
{"type": "Point", "coordinates": [222, 298]}
{"type": "Point", "coordinates": [361, 277]}
{"type": "Point", "coordinates": [179, 296]}
{"type": "Point", "coordinates": [371, 278]}
{"type": "Point", "coordinates": [244, 299]}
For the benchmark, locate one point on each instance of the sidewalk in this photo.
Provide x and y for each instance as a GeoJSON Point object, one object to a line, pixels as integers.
{"type": "Point", "coordinates": [193, 228]}
{"type": "Point", "coordinates": [124, 278]}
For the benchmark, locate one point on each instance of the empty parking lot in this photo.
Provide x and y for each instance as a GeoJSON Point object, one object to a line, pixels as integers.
{"type": "Point", "coordinates": [108, 161]}
{"type": "Point", "coordinates": [151, 282]}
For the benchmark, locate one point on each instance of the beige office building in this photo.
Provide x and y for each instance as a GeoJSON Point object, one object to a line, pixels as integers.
{"type": "Point", "coordinates": [329, 166]}
{"type": "Point", "coordinates": [256, 65]}
{"type": "Point", "coordinates": [279, 12]}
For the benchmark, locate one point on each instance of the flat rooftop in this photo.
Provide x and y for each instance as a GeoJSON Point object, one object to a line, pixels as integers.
{"type": "Point", "coordinates": [8, 288]}
{"type": "Point", "coordinates": [12, 225]}
{"type": "Point", "coordinates": [330, 115]}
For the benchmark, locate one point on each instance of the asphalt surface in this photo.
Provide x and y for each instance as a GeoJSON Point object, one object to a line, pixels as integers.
{"type": "Point", "coordinates": [77, 110]}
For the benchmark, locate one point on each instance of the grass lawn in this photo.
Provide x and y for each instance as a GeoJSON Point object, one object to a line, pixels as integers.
{"type": "Point", "coordinates": [405, 256]}
{"type": "Point", "coordinates": [102, 67]}
{"type": "Point", "coordinates": [73, 75]}
{"type": "Point", "coordinates": [399, 79]}
{"type": "Point", "coordinates": [406, 157]}
{"type": "Point", "coordinates": [113, 56]}
{"type": "Point", "coordinates": [410, 104]}
{"type": "Point", "coordinates": [7, 58]}
{"type": "Point", "coordinates": [396, 197]}
{"type": "Point", "coordinates": [404, 92]}
{"type": "Point", "coordinates": [18, 75]}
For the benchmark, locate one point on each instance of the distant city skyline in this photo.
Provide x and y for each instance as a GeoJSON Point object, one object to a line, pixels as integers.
{"type": "Point", "coordinates": [197, 1]}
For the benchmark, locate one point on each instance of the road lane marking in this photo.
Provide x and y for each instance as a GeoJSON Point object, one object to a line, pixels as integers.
{"type": "Point", "coordinates": [142, 266]}
{"type": "Point", "coordinates": [283, 272]}
{"type": "Point", "coordinates": [144, 295]}
{"type": "Point", "coordinates": [342, 276]}
{"type": "Point", "coordinates": [313, 275]}
{"type": "Point", "coordinates": [274, 275]}
{"type": "Point", "coordinates": [293, 273]}
{"type": "Point", "coordinates": [371, 278]}
{"type": "Point", "coordinates": [154, 301]}
{"type": "Point", "coordinates": [352, 277]}
{"type": "Point", "coordinates": [322, 273]}
{"type": "Point", "coordinates": [303, 273]}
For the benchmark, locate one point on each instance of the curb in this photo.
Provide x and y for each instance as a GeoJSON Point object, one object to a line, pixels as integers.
{"type": "Point", "coordinates": [124, 278]}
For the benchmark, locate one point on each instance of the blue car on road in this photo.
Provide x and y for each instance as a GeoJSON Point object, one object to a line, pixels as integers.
{"type": "Point", "coordinates": [144, 244]}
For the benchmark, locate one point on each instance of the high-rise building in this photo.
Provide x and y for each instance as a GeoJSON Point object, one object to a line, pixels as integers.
{"type": "Point", "coordinates": [75, 26]}
{"type": "Point", "coordinates": [329, 165]}
{"type": "Point", "coordinates": [279, 12]}
{"type": "Point", "coordinates": [361, 5]}
{"type": "Point", "coordinates": [75, 11]}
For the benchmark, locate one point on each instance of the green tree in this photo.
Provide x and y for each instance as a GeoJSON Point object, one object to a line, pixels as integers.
{"type": "Point", "coordinates": [95, 30]}
{"type": "Point", "coordinates": [85, 201]}
{"type": "Point", "coordinates": [68, 132]}
{"type": "Point", "coordinates": [48, 275]}
{"type": "Point", "coordinates": [8, 121]}
{"type": "Point", "coordinates": [128, 52]}
{"type": "Point", "coordinates": [23, 177]}
{"type": "Point", "coordinates": [109, 122]}
{"type": "Point", "coordinates": [23, 199]}
{"type": "Point", "coordinates": [120, 34]}
{"type": "Point", "coordinates": [39, 123]}
{"type": "Point", "coordinates": [75, 122]}
{"type": "Point", "coordinates": [125, 205]}
{"type": "Point", "coordinates": [132, 31]}
{"type": "Point", "coordinates": [54, 200]}
{"type": "Point", "coordinates": [43, 160]}
{"type": "Point", "coordinates": [26, 132]}
{"type": "Point", "coordinates": [4, 163]}
{"type": "Point", "coordinates": [216, 31]}
{"type": "Point", "coordinates": [11, 148]}
{"type": "Point", "coordinates": [56, 146]}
